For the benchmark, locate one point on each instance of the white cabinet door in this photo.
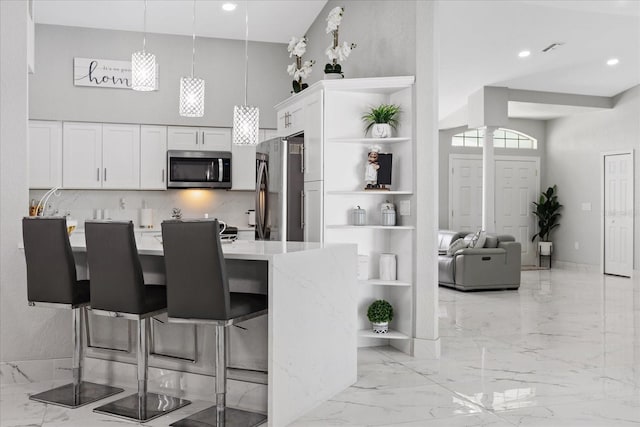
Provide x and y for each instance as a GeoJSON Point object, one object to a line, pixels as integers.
{"type": "Point", "coordinates": [267, 134]}
{"type": "Point", "coordinates": [120, 156]}
{"type": "Point", "coordinates": [291, 119]}
{"type": "Point", "coordinates": [45, 154]}
{"type": "Point", "coordinates": [215, 139]}
{"type": "Point", "coordinates": [82, 155]}
{"type": "Point", "coordinates": [313, 218]}
{"type": "Point", "coordinates": [243, 167]}
{"type": "Point", "coordinates": [313, 152]}
{"type": "Point", "coordinates": [183, 138]}
{"type": "Point", "coordinates": [153, 157]}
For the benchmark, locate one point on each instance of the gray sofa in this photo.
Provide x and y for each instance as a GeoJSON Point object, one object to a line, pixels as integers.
{"type": "Point", "coordinates": [495, 266]}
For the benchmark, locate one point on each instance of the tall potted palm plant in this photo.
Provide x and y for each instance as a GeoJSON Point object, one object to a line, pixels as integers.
{"type": "Point", "coordinates": [547, 212]}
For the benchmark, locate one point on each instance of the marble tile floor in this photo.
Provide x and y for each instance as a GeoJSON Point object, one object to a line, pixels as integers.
{"type": "Point", "coordinates": [563, 350]}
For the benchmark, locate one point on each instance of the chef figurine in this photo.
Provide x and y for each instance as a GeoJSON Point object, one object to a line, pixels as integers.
{"type": "Point", "coordinates": [371, 171]}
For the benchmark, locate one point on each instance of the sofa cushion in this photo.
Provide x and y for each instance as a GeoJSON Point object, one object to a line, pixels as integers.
{"type": "Point", "coordinates": [477, 239]}
{"type": "Point", "coordinates": [446, 265]}
{"type": "Point", "coordinates": [491, 242]}
{"type": "Point", "coordinates": [457, 245]}
{"type": "Point", "coordinates": [446, 237]}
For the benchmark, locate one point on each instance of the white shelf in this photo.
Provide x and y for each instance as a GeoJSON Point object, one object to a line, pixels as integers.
{"type": "Point", "coordinates": [370, 193]}
{"type": "Point", "coordinates": [382, 227]}
{"type": "Point", "coordinates": [378, 282]}
{"type": "Point", "coordinates": [390, 335]}
{"type": "Point", "coordinates": [367, 140]}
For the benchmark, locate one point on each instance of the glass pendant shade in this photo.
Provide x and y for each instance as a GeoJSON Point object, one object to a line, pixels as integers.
{"type": "Point", "coordinates": [245, 124]}
{"type": "Point", "coordinates": [191, 97]}
{"type": "Point", "coordinates": [143, 71]}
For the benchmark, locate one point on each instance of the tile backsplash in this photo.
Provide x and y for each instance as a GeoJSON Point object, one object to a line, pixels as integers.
{"type": "Point", "coordinates": [229, 206]}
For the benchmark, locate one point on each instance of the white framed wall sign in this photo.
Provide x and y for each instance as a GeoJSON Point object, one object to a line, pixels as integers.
{"type": "Point", "coordinates": [103, 73]}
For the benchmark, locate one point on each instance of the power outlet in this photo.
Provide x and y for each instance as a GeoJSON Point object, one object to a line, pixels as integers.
{"type": "Point", "coordinates": [405, 207]}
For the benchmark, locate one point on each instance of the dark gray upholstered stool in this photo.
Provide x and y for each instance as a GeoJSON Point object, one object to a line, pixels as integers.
{"type": "Point", "coordinates": [118, 290]}
{"type": "Point", "coordinates": [52, 282]}
{"type": "Point", "coordinates": [198, 292]}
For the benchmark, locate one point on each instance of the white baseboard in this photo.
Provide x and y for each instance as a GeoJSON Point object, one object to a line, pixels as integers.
{"type": "Point", "coordinates": [426, 349]}
{"type": "Point", "coordinates": [574, 266]}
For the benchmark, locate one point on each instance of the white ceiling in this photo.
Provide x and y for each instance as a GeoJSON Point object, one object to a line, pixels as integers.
{"type": "Point", "coordinates": [479, 39]}
{"type": "Point", "coordinates": [270, 21]}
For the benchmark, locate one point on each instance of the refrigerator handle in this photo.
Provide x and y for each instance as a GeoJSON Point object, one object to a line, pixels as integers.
{"type": "Point", "coordinates": [302, 209]}
{"type": "Point", "coordinates": [258, 206]}
{"type": "Point", "coordinates": [302, 158]}
{"type": "Point", "coordinates": [262, 209]}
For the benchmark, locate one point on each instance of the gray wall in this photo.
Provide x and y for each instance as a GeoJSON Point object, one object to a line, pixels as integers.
{"type": "Point", "coordinates": [534, 128]}
{"type": "Point", "coordinates": [219, 62]}
{"type": "Point", "coordinates": [383, 30]}
{"type": "Point", "coordinates": [574, 148]}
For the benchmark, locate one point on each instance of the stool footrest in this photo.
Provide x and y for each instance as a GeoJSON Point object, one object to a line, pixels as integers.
{"type": "Point", "coordinates": [233, 418]}
{"type": "Point", "coordinates": [69, 398]}
{"type": "Point", "coordinates": [129, 408]}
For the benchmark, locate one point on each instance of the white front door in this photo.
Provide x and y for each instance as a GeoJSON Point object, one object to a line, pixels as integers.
{"type": "Point", "coordinates": [618, 214]}
{"type": "Point", "coordinates": [466, 194]}
{"type": "Point", "coordinates": [516, 189]}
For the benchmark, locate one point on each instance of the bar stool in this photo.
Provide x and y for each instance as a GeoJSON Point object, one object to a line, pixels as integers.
{"type": "Point", "coordinates": [52, 282]}
{"type": "Point", "coordinates": [118, 290]}
{"type": "Point", "coordinates": [198, 292]}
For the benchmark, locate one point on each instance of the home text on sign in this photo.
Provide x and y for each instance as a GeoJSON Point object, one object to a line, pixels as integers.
{"type": "Point", "coordinates": [102, 73]}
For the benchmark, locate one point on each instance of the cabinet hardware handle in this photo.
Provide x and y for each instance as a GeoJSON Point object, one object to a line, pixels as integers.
{"type": "Point", "coordinates": [196, 138]}
{"type": "Point", "coordinates": [302, 210]}
{"type": "Point", "coordinates": [202, 140]}
{"type": "Point", "coordinates": [105, 174]}
{"type": "Point", "coordinates": [162, 175]}
{"type": "Point", "coordinates": [302, 158]}
{"type": "Point", "coordinates": [98, 174]}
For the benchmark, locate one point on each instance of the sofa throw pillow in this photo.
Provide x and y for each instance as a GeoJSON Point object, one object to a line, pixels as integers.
{"type": "Point", "coordinates": [478, 239]}
{"type": "Point", "coordinates": [456, 246]}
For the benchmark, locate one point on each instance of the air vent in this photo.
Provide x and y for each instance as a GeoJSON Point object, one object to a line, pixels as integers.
{"type": "Point", "coordinates": [551, 47]}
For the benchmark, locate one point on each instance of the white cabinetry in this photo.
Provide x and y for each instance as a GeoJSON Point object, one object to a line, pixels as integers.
{"type": "Point", "coordinates": [313, 212]}
{"type": "Point", "coordinates": [313, 133]}
{"type": "Point", "coordinates": [120, 156]}
{"type": "Point", "coordinates": [82, 155]}
{"type": "Point", "coordinates": [203, 139]}
{"type": "Point", "coordinates": [153, 157]}
{"type": "Point", "coordinates": [45, 154]}
{"type": "Point", "coordinates": [291, 119]}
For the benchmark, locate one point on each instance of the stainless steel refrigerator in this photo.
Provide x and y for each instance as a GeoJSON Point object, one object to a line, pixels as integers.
{"type": "Point", "coordinates": [280, 189]}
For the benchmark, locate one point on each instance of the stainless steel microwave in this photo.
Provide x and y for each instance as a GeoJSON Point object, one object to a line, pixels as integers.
{"type": "Point", "coordinates": [199, 169]}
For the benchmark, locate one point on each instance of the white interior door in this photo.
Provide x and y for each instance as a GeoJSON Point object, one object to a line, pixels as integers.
{"type": "Point", "coordinates": [618, 214]}
{"type": "Point", "coordinates": [516, 189]}
{"type": "Point", "coordinates": [466, 194]}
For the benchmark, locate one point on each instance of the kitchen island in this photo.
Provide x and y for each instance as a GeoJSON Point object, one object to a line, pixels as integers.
{"type": "Point", "coordinates": [311, 326]}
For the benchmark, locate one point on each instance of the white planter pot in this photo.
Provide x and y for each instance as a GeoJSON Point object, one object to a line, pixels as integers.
{"type": "Point", "coordinates": [381, 130]}
{"type": "Point", "coordinates": [545, 248]}
{"type": "Point", "coordinates": [380, 328]}
{"type": "Point", "coordinates": [333, 76]}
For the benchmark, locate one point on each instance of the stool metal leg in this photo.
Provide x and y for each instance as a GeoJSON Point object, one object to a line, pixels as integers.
{"type": "Point", "coordinates": [219, 415]}
{"type": "Point", "coordinates": [79, 392]}
{"type": "Point", "coordinates": [142, 406]}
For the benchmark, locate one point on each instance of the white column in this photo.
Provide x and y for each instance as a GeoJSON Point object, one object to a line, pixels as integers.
{"type": "Point", "coordinates": [488, 181]}
{"type": "Point", "coordinates": [426, 342]}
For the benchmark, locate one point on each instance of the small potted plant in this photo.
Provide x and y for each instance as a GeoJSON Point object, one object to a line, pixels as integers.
{"type": "Point", "coordinates": [547, 208]}
{"type": "Point", "coordinates": [380, 313]}
{"type": "Point", "coordinates": [381, 120]}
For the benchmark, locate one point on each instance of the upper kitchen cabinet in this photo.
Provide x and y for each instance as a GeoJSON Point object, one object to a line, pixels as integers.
{"type": "Point", "coordinates": [290, 118]}
{"type": "Point", "coordinates": [120, 156]}
{"type": "Point", "coordinates": [153, 157]}
{"type": "Point", "coordinates": [201, 139]}
{"type": "Point", "coordinates": [101, 156]}
{"type": "Point", "coordinates": [82, 155]}
{"type": "Point", "coordinates": [45, 154]}
{"type": "Point", "coordinates": [313, 134]}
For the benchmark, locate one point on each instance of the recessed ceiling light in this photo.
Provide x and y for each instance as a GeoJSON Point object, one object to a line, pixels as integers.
{"type": "Point", "coordinates": [613, 61]}
{"type": "Point", "coordinates": [229, 7]}
{"type": "Point", "coordinates": [524, 54]}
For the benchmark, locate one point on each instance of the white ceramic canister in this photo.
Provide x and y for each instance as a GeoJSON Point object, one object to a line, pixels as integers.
{"type": "Point", "coordinates": [358, 216]}
{"type": "Point", "coordinates": [388, 213]}
{"type": "Point", "coordinates": [388, 267]}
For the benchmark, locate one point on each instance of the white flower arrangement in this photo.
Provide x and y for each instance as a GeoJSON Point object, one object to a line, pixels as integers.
{"type": "Point", "coordinates": [336, 51]}
{"type": "Point", "coordinates": [299, 70]}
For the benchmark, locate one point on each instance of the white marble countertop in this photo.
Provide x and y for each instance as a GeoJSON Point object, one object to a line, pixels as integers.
{"type": "Point", "coordinates": [151, 244]}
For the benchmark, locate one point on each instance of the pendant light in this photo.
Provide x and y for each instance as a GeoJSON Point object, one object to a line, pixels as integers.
{"type": "Point", "coordinates": [143, 64]}
{"type": "Point", "coordinates": [246, 118]}
{"type": "Point", "coordinates": [192, 88]}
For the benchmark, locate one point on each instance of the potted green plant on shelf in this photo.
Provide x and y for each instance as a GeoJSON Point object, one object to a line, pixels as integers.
{"type": "Point", "coordinates": [547, 212]}
{"type": "Point", "coordinates": [381, 120]}
{"type": "Point", "coordinates": [380, 313]}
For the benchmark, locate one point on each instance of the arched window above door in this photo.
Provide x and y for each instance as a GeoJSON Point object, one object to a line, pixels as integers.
{"type": "Point", "coordinates": [502, 138]}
